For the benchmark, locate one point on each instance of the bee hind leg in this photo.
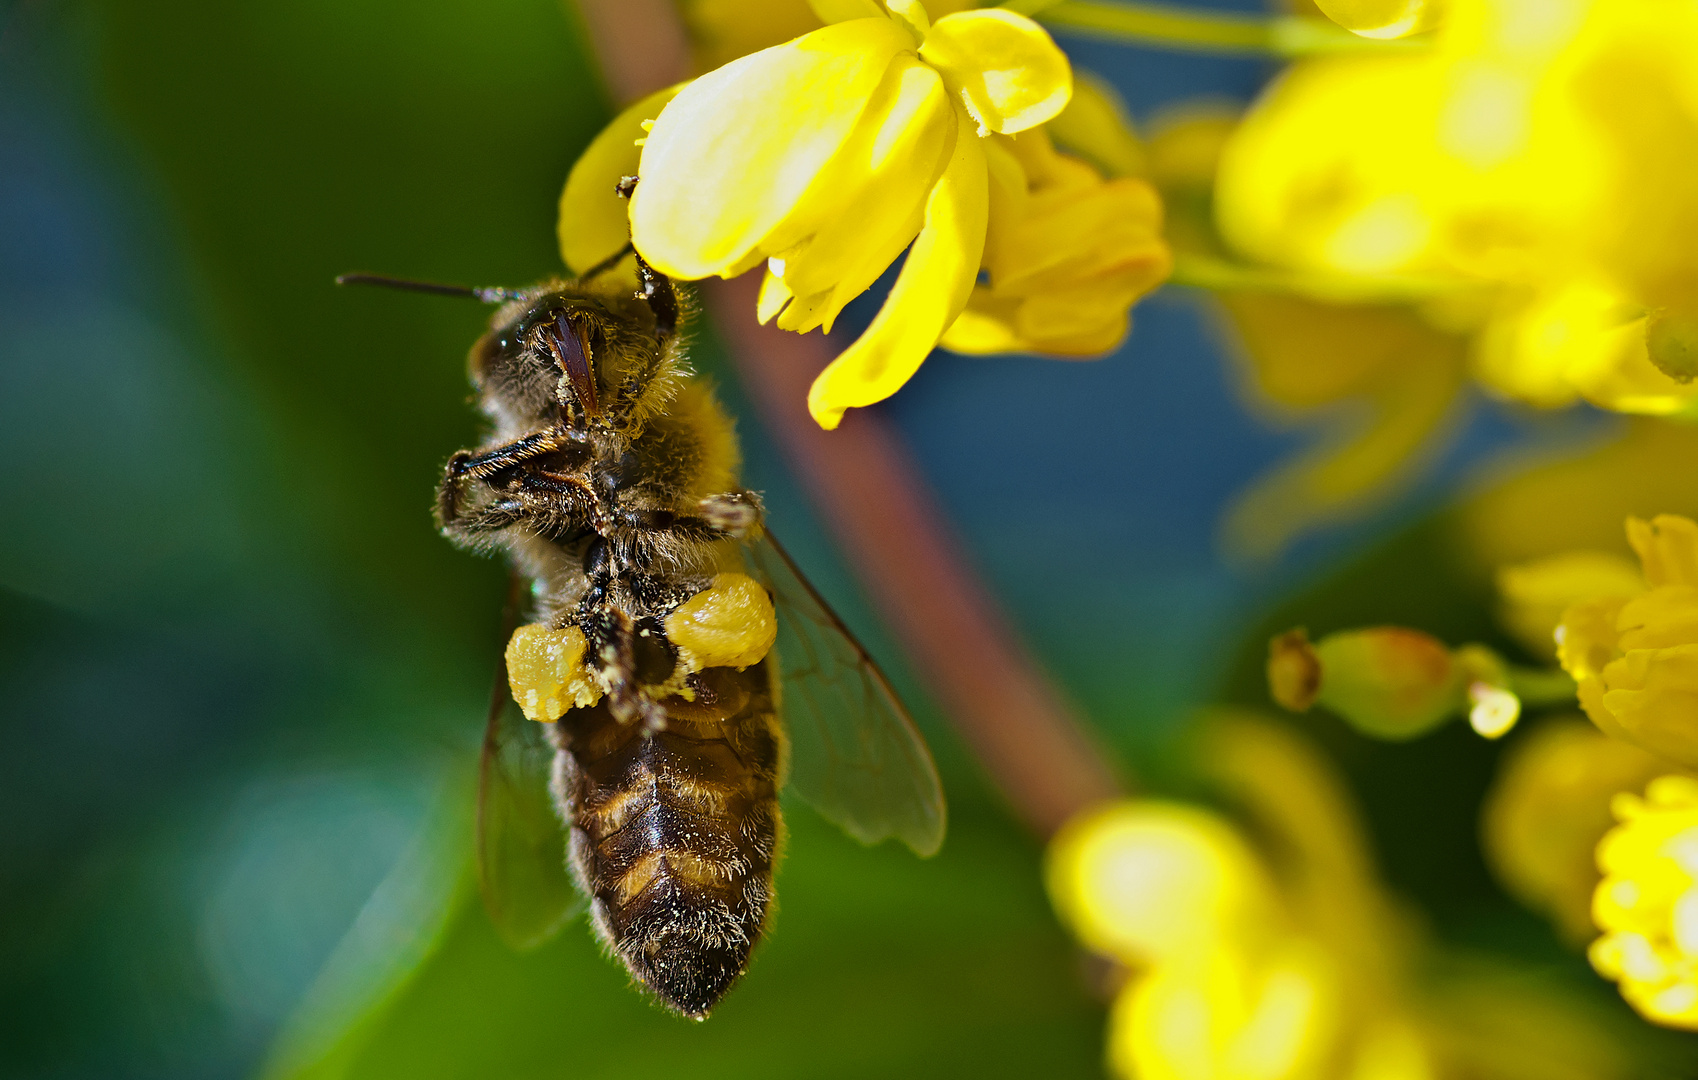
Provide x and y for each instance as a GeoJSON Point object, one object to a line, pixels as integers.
{"type": "Point", "coordinates": [611, 655]}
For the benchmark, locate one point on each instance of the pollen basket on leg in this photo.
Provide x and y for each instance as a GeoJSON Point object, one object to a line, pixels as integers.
{"type": "Point", "coordinates": [728, 624]}
{"type": "Point", "coordinates": [545, 671]}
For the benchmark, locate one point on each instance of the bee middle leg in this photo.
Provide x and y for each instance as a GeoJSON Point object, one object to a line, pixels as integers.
{"type": "Point", "coordinates": [733, 514]}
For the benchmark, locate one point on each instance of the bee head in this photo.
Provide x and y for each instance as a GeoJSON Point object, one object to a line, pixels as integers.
{"type": "Point", "coordinates": [567, 352]}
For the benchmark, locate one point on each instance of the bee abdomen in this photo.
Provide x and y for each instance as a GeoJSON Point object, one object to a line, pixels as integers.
{"type": "Point", "coordinates": [674, 835]}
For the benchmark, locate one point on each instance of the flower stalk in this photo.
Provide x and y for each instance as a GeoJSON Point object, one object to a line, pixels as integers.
{"type": "Point", "coordinates": [1190, 30]}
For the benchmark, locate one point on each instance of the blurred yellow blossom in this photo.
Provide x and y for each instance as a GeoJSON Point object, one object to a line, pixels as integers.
{"type": "Point", "coordinates": [1284, 961]}
{"type": "Point", "coordinates": [1380, 377]}
{"type": "Point", "coordinates": [1530, 172]}
{"type": "Point", "coordinates": [1230, 989]}
{"type": "Point", "coordinates": [1636, 659]}
{"type": "Point", "coordinates": [1150, 881]}
{"type": "Point", "coordinates": [1547, 809]}
{"type": "Point", "coordinates": [1580, 500]}
{"type": "Point", "coordinates": [1647, 904]}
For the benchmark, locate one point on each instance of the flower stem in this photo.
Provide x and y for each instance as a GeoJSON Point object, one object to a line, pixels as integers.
{"type": "Point", "coordinates": [1208, 272]}
{"type": "Point", "coordinates": [1163, 26]}
{"type": "Point", "coordinates": [1541, 687]}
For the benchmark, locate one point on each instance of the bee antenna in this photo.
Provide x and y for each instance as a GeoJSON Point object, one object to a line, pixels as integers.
{"type": "Point", "coordinates": [485, 295]}
{"type": "Point", "coordinates": [608, 263]}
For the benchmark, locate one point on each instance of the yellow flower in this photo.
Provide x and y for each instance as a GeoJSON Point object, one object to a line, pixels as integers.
{"type": "Point", "coordinates": [1230, 989]}
{"type": "Point", "coordinates": [1228, 1015]}
{"type": "Point", "coordinates": [1548, 808]}
{"type": "Point", "coordinates": [1580, 502]}
{"type": "Point", "coordinates": [1636, 660]}
{"type": "Point", "coordinates": [1150, 881]}
{"type": "Point", "coordinates": [1067, 254]}
{"type": "Point", "coordinates": [827, 156]}
{"type": "Point", "coordinates": [1647, 904]}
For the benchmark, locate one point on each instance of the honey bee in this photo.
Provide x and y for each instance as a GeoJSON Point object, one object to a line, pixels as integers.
{"type": "Point", "coordinates": [670, 633]}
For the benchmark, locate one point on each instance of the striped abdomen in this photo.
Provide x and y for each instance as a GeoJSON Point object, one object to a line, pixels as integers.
{"type": "Point", "coordinates": [674, 834]}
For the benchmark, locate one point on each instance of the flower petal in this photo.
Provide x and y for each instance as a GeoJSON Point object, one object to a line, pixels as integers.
{"type": "Point", "coordinates": [929, 293]}
{"type": "Point", "coordinates": [773, 297]}
{"type": "Point", "coordinates": [594, 219]}
{"type": "Point", "coordinates": [878, 183]}
{"type": "Point", "coordinates": [1004, 66]}
{"type": "Point", "coordinates": [733, 153]}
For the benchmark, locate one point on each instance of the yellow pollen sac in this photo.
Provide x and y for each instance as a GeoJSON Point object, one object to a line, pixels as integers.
{"type": "Point", "coordinates": [728, 624]}
{"type": "Point", "coordinates": [545, 671]}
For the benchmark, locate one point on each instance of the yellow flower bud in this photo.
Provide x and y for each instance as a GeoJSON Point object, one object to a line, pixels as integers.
{"type": "Point", "coordinates": [545, 671]}
{"type": "Point", "coordinates": [1387, 681]}
{"type": "Point", "coordinates": [1294, 671]}
{"type": "Point", "coordinates": [729, 624]}
{"type": "Point", "coordinates": [1647, 904]}
{"type": "Point", "coordinates": [1548, 808]}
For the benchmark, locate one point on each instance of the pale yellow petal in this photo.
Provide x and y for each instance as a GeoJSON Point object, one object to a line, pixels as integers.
{"type": "Point", "coordinates": [877, 183]}
{"type": "Point", "coordinates": [1006, 68]}
{"type": "Point", "coordinates": [594, 222]}
{"type": "Point", "coordinates": [930, 291]}
{"type": "Point", "coordinates": [733, 153]}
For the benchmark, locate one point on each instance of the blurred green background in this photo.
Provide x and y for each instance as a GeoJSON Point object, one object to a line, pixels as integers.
{"type": "Point", "coordinates": [244, 679]}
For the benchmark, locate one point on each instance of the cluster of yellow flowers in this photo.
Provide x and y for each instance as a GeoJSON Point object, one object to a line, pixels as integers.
{"type": "Point", "coordinates": [1286, 962]}
{"type": "Point", "coordinates": [1629, 637]}
{"type": "Point", "coordinates": [1528, 175]}
{"type": "Point", "coordinates": [826, 157]}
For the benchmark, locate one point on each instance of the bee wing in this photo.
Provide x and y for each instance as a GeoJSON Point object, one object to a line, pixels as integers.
{"type": "Point", "coordinates": [521, 843]}
{"type": "Point", "coordinates": [855, 755]}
